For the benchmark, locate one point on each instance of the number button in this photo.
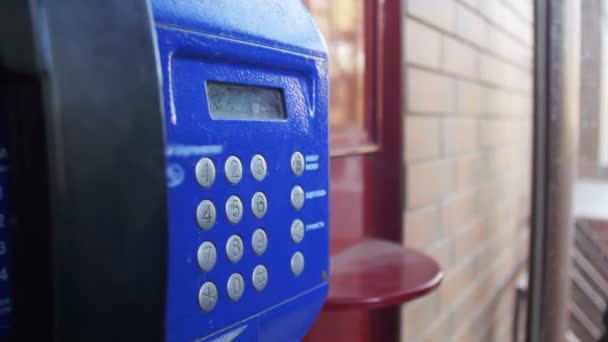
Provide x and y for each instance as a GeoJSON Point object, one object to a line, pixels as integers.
{"type": "Point", "coordinates": [205, 214]}
{"type": "Point", "coordinates": [297, 163]}
{"type": "Point", "coordinates": [207, 296]}
{"type": "Point", "coordinates": [258, 167]}
{"type": "Point", "coordinates": [233, 169]}
{"type": "Point", "coordinates": [234, 209]}
{"type": "Point", "coordinates": [297, 230]}
{"type": "Point", "coordinates": [297, 263]}
{"type": "Point", "coordinates": [235, 286]}
{"type": "Point", "coordinates": [259, 277]}
{"type": "Point", "coordinates": [259, 241]}
{"type": "Point", "coordinates": [297, 197]}
{"type": "Point", "coordinates": [206, 256]}
{"type": "Point", "coordinates": [234, 248]}
{"type": "Point", "coordinates": [259, 204]}
{"type": "Point", "coordinates": [205, 172]}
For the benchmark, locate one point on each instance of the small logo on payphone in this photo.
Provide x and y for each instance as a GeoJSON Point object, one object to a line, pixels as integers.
{"type": "Point", "coordinates": [175, 175]}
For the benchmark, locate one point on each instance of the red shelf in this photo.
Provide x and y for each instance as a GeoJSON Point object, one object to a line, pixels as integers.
{"type": "Point", "coordinates": [375, 274]}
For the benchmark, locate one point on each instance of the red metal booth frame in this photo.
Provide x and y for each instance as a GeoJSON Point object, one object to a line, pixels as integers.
{"type": "Point", "coordinates": [371, 273]}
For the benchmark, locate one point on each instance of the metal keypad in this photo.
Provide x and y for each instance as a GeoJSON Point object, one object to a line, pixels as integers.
{"type": "Point", "coordinates": [259, 277]}
{"type": "Point", "coordinates": [207, 253]}
{"type": "Point", "coordinates": [259, 241]}
{"type": "Point", "coordinates": [259, 204]}
{"type": "Point", "coordinates": [297, 163]}
{"type": "Point", "coordinates": [234, 248]}
{"type": "Point", "coordinates": [205, 172]}
{"type": "Point", "coordinates": [207, 296]}
{"type": "Point", "coordinates": [297, 263]}
{"type": "Point", "coordinates": [206, 256]}
{"type": "Point", "coordinates": [297, 230]}
{"type": "Point", "coordinates": [205, 214]}
{"type": "Point", "coordinates": [233, 169]}
{"type": "Point", "coordinates": [258, 167]}
{"type": "Point", "coordinates": [234, 209]}
{"type": "Point", "coordinates": [297, 197]}
{"type": "Point", "coordinates": [235, 286]}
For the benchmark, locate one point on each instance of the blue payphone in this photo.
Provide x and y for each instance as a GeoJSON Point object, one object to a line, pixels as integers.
{"type": "Point", "coordinates": [168, 170]}
{"type": "Point", "coordinates": [245, 102]}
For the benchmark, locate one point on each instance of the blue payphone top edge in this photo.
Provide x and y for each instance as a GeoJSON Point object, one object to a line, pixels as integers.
{"type": "Point", "coordinates": [279, 24]}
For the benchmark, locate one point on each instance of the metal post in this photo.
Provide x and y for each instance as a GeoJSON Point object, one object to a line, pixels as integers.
{"type": "Point", "coordinates": [557, 53]}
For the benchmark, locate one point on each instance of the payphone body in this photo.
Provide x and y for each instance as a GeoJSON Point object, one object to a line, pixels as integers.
{"type": "Point", "coordinates": [241, 252]}
{"type": "Point", "coordinates": [245, 87]}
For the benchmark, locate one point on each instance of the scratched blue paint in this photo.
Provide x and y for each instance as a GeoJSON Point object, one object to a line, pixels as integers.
{"type": "Point", "coordinates": [270, 43]}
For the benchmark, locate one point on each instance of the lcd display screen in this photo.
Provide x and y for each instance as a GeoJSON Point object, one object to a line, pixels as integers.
{"type": "Point", "coordinates": [230, 101]}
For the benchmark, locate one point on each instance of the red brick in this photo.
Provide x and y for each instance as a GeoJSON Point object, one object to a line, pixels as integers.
{"type": "Point", "coordinates": [471, 26]}
{"type": "Point", "coordinates": [460, 58]}
{"type": "Point", "coordinates": [458, 210]}
{"type": "Point", "coordinates": [421, 137]}
{"type": "Point", "coordinates": [420, 226]}
{"type": "Point", "coordinates": [468, 241]}
{"type": "Point", "coordinates": [437, 12]}
{"type": "Point", "coordinates": [429, 92]}
{"type": "Point", "coordinates": [422, 44]}
{"type": "Point", "coordinates": [467, 172]}
{"type": "Point", "coordinates": [421, 185]}
{"type": "Point", "coordinates": [469, 98]}
{"type": "Point", "coordinates": [461, 135]}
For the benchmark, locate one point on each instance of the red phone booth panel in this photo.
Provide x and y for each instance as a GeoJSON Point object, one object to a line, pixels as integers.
{"type": "Point", "coordinates": [370, 273]}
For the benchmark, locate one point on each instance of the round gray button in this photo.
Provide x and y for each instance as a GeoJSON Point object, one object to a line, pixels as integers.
{"type": "Point", "coordinates": [259, 277]}
{"type": "Point", "coordinates": [206, 256]}
{"type": "Point", "coordinates": [297, 263]}
{"type": "Point", "coordinates": [205, 214]}
{"type": "Point", "coordinates": [259, 204]}
{"type": "Point", "coordinates": [235, 286]}
{"type": "Point", "coordinates": [234, 209]}
{"type": "Point", "coordinates": [205, 172]}
{"type": "Point", "coordinates": [297, 163]}
{"type": "Point", "coordinates": [297, 197]}
{"type": "Point", "coordinates": [207, 296]}
{"type": "Point", "coordinates": [258, 167]}
{"type": "Point", "coordinates": [233, 169]}
{"type": "Point", "coordinates": [297, 230]}
{"type": "Point", "coordinates": [259, 241]}
{"type": "Point", "coordinates": [234, 248]}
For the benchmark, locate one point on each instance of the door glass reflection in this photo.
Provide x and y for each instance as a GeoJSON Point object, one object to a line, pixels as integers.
{"type": "Point", "coordinates": [342, 23]}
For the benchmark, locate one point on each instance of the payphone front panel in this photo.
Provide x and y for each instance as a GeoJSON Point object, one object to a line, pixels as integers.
{"type": "Point", "coordinates": [245, 96]}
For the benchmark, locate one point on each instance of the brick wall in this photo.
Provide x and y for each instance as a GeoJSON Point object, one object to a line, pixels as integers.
{"type": "Point", "coordinates": [468, 121]}
{"type": "Point", "coordinates": [590, 91]}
